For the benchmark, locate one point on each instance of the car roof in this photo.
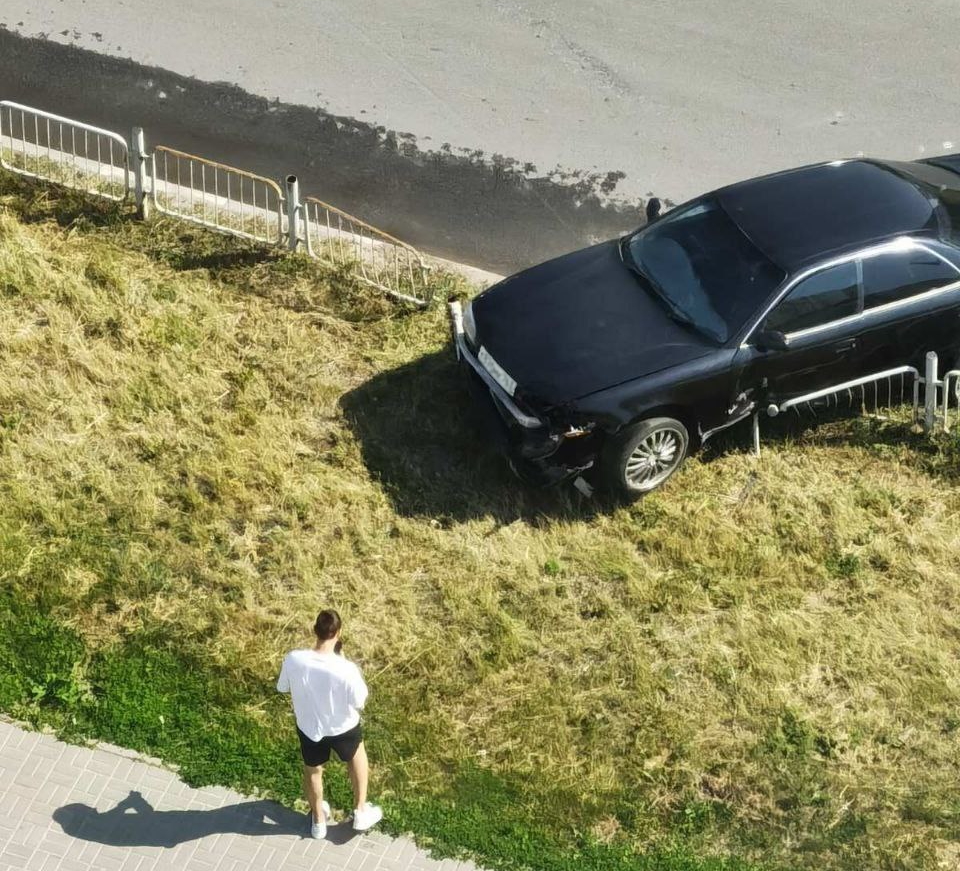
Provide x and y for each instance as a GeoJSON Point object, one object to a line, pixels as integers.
{"type": "Point", "coordinates": [804, 215]}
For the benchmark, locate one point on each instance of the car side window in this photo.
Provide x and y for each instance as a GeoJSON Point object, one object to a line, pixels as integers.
{"type": "Point", "coordinates": [896, 275]}
{"type": "Point", "coordinates": [823, 297]}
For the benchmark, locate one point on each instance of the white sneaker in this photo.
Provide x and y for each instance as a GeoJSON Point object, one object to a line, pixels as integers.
{"type": "Point", "coordinates": [318, 829]}
{"type": "Point", "coordinates": [367, 817]}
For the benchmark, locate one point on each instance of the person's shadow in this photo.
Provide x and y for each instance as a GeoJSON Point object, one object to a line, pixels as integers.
{"type": "Point", "coordinates": [135, 823]}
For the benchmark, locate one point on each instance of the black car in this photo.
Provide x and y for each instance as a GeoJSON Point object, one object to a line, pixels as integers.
{"type": "Point", "coordinates": [622, 357]}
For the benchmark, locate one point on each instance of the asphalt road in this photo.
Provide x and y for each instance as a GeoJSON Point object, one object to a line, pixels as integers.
{"type": "Point", "coordinates": [522, 129]}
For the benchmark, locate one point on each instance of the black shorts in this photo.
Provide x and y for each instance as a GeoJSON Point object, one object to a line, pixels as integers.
{"type": "Point", "coordinates": [318, 752]}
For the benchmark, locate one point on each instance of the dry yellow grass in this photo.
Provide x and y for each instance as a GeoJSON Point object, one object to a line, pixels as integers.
{"type": "Point", "coordinates": [763, 657]}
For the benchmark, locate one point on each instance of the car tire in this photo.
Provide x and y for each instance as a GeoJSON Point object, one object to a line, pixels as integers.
{"type": "Point", "coordinates": [640, 458]}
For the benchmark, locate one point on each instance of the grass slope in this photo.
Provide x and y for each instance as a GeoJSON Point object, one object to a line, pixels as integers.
{"type": "Point", "coordinates": [202, 443]}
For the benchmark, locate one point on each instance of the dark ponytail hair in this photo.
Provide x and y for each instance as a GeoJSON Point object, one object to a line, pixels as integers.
{"type": "Point", "coordinates": [327, 625]}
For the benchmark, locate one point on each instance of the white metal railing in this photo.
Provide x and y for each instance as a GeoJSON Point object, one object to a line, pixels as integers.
{"type": "Point", "coordinates": [45, 146]}
{"type": "Point", "coordinates": [895, 380]}
{"type": "Point", "coordinates": [216, 196]}
{"type": "Point", "coordinates": [951, 390]}
{"type": "Point", "coordinates": [849, 389]}
{"type": "Point", "coordinates": [42, 145]}
{"type": "Point", "coordinates": [381, 260]}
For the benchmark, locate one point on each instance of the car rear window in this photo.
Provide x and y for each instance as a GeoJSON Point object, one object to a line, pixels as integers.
{"type": "Point", "coordinates": [941, 183]}
{"type": "Point", "coordinates": [701, 260]}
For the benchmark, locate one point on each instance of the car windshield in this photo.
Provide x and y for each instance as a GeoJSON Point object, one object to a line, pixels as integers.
{"type": "Point", "coordinates": [704, 267]}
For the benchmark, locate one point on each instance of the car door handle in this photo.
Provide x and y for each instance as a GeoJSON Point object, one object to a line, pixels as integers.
{"type": "Point", "coordinates": [846, 345]}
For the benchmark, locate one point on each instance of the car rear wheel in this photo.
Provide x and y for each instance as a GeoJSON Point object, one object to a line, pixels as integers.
{"type": "Point", "coordinates": [642, 457]}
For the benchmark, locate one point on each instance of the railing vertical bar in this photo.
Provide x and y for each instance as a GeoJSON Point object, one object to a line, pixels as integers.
{"type": "Point", "coordinates": [308, 227]}
{"type": "Point", "coordinates": [36, 143]}
{"type": "Point", "coordinates": [73, 152]}
{"type": "Point", "coordinates": [20, 139]}
{"type": "Point", "coordinates": [946, 400]}
{"type": "Point", "coordinates": [243, 204]}
{"type": "Point", "coordinates": [23, 137]}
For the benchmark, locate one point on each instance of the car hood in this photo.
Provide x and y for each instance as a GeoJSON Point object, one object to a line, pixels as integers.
{"type": "Point", "coordinates": [577, 324]}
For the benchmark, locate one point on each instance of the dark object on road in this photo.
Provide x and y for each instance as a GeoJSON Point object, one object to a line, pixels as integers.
{"type": "Point", "coordinates": [623, 357]}
{"type": "Point", "coordinates": [653, 209]}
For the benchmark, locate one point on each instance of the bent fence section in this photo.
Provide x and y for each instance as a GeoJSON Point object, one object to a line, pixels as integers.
{"type": "Point", "coordinates": [216, 196]}
{"type": "Point", "coordinates": [880, 390]}
{"type": "Point", "coordinates": [885, 389]}
{"type": "Point", "coordinates": [50, 147]}
{"type": "Point", "coordinates": [382, 261]}
{"type": "Point", "coordinates": [227, 199]}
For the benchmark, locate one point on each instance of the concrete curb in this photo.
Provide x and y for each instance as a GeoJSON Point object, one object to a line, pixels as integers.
{"type": "Point", "coordinates": [474, 274]}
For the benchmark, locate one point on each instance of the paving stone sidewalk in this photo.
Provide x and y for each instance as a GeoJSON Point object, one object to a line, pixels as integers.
{"type": "Point", "coordinates": [67, 808]}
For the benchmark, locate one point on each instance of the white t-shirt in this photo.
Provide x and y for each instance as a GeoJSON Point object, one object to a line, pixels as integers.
{"type": "Point", "coordinates": [327, 690]}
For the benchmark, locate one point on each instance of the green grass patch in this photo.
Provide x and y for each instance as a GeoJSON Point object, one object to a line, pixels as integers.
{"type": "Point", "coordinates": [148, 694]}
{"type": "Point", "coordinates": [203, 442]}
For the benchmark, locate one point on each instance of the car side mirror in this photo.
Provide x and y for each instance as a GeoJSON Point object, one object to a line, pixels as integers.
{"type": "Point", "coordinates": [770, 340]}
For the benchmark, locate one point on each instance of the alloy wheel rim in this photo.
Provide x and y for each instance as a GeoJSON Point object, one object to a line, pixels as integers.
{"type": "Point", "coordinates": [655, 459]}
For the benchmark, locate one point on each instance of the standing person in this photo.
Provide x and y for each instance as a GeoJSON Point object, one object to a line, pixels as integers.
{"type": "Point", "coordinates": [328, 693]}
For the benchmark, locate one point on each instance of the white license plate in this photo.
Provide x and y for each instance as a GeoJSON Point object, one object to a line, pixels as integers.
{"type": "Point", "coordinates": [494, 368]}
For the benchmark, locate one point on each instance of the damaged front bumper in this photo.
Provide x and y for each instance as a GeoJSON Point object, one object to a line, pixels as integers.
{"type": "Point", "coordinates": [536, 453]}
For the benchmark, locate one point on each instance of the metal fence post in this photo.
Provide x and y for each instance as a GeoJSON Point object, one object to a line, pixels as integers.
{"type": "Point", "coordinates": [138, 157]}
{"type": "Point", "coordinates": [930, 393]}
{"type": "Point", "coordinates": [293, 212]}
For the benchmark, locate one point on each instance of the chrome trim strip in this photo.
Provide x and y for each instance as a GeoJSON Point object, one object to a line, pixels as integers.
{"type": "Point", "coordinates": [897, 244]}
{"type": "Point", "coordinates": [464, 353]}
{"type": "Point", "coordinates": [867, 314]}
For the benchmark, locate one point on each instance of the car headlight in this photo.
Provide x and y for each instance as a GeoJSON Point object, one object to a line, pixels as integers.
{"type": "Point", "coordinates": [469, 324]}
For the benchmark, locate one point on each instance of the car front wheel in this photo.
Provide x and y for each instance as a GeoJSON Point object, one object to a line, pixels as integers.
{"type": "Point", "coordinates": [642, 457]}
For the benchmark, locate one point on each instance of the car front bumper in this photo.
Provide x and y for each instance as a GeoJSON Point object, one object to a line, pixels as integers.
{"type": "Point", "coordinates": [536, 453]}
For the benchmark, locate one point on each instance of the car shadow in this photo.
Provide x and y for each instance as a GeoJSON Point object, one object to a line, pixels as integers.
{"type": "Point", "coordinates": [422, 436]}
{"type": "Point", "coordinates": [134, 822]}
{"type": "Point", "coordinates": [424, 439]}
